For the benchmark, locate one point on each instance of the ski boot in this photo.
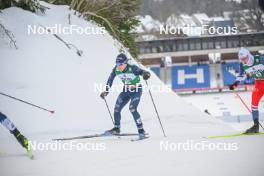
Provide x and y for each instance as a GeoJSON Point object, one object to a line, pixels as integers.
{"type": "Point", "coordinates": [254, 128]}
{"type": "Point", "coordinates": [113, 131]}
{"type": "Point", "coordinates": [21, 139]}
{"type": "Point", "coordinates": [141, 133]}
{"type": "Point", "coordinates": [24, 142]}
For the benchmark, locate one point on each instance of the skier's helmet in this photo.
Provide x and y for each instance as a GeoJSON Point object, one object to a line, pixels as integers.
{"type": "Point", "coordinates": [243, 53]}
{"type": "Point", "coordinates": [121, 59]}
{"type": "Point", "coordinates": [245, 56]}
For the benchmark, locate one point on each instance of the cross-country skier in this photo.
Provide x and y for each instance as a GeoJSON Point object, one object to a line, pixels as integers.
{"type": "Point", "coordinates": [252, 66]}
{"type": "Point", "coordinates": [132, 90]}
{"type": "Point", "coordinates": [13, 130]}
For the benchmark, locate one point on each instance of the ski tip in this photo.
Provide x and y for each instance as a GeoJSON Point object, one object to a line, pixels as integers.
{"type": "Point", "coordinates": [32, 157]}
{"type": "Point", "coordinates": [30, 154]}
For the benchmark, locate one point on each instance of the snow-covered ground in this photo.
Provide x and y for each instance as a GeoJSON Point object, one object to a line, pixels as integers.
{"type": "Point", "coordinates": [44, 71]}
{"type": "Point", "coordinates": [228, 107]}
{"type": "Point", "coordinates": [219, 104]}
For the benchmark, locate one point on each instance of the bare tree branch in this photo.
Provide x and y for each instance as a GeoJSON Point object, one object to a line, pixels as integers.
{"type": "Point", "coordinates": [9, 34]}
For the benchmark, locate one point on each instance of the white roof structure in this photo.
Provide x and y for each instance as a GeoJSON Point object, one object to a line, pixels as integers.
{"type": "Point", "coordinates": [149, 24]}
{"type": "Point", "coordinates": [187, 20]}
{"type": "Point", "coordinates": [219, 18]}
{"type": "Point", "coordinates": [200, 18]}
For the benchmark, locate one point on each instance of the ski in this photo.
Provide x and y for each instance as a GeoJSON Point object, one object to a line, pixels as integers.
{"type": "Point", "coordinates": [139, 139]}
{"type": "Point", "coordinates": [234, 135]}
{"type": "Point", "coordinates": [30, 153]}
{"type": "Point", "coordinates": [96, 135]}
{"type": "Point", "coordinates": [29, 150]}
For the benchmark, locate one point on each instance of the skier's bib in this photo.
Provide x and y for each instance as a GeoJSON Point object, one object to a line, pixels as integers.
{"type": "Point", "coordinates": [128, 77]}
{"type": "Point", "coordinates": [256, 70]}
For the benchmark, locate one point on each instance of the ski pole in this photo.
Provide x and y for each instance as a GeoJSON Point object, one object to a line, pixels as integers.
{"type": "Point", "coordinates": [156, 110]}
{"type": "Point", "coordinates": [261, 125]}
{"type": "Point", "coordinates": [17, 99]}
{"type": "Point", "coordinates": [244, 103]}
{"type": "Point", "coordinates": [109, 110]}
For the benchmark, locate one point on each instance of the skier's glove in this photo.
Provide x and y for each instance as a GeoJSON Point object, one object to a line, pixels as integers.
{"type": "Point", "coordinates": [104, 94]}
{"type": "Point", "coordinates": [234, 85]}
{"type": "Point", "coordinates": [146, 75]}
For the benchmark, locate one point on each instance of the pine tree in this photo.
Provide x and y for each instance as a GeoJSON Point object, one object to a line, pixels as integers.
{"type": "Point", "coordinates": [31, 5]}
{"type": "Point", "coordinates": [117, 16]}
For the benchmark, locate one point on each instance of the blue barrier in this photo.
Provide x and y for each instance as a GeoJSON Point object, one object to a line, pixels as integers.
{"type": "Point", "coordinates": [198, 76]}
{"type": "Point", "coordinates": [230, 70]}
{"type": "Point", "coordinates": [156, 70]}
{"type": "Point", "coordinates": [184, 77]}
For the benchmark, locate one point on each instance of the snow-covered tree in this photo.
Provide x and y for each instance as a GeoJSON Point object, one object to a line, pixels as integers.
{"type": "Point", "coordinates": [31, 5]}
{"type": "Point", "coordinates": [117, 16]}
{"type": "Point", "coordinates": [251, 15]}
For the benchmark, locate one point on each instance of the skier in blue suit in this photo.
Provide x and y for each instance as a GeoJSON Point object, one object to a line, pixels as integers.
{"type": "Point", "coordinates": [132, 91]}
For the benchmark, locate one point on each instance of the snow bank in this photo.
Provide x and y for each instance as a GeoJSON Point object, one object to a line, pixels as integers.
{"type": "Point", "coordinates": [44, 71]}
